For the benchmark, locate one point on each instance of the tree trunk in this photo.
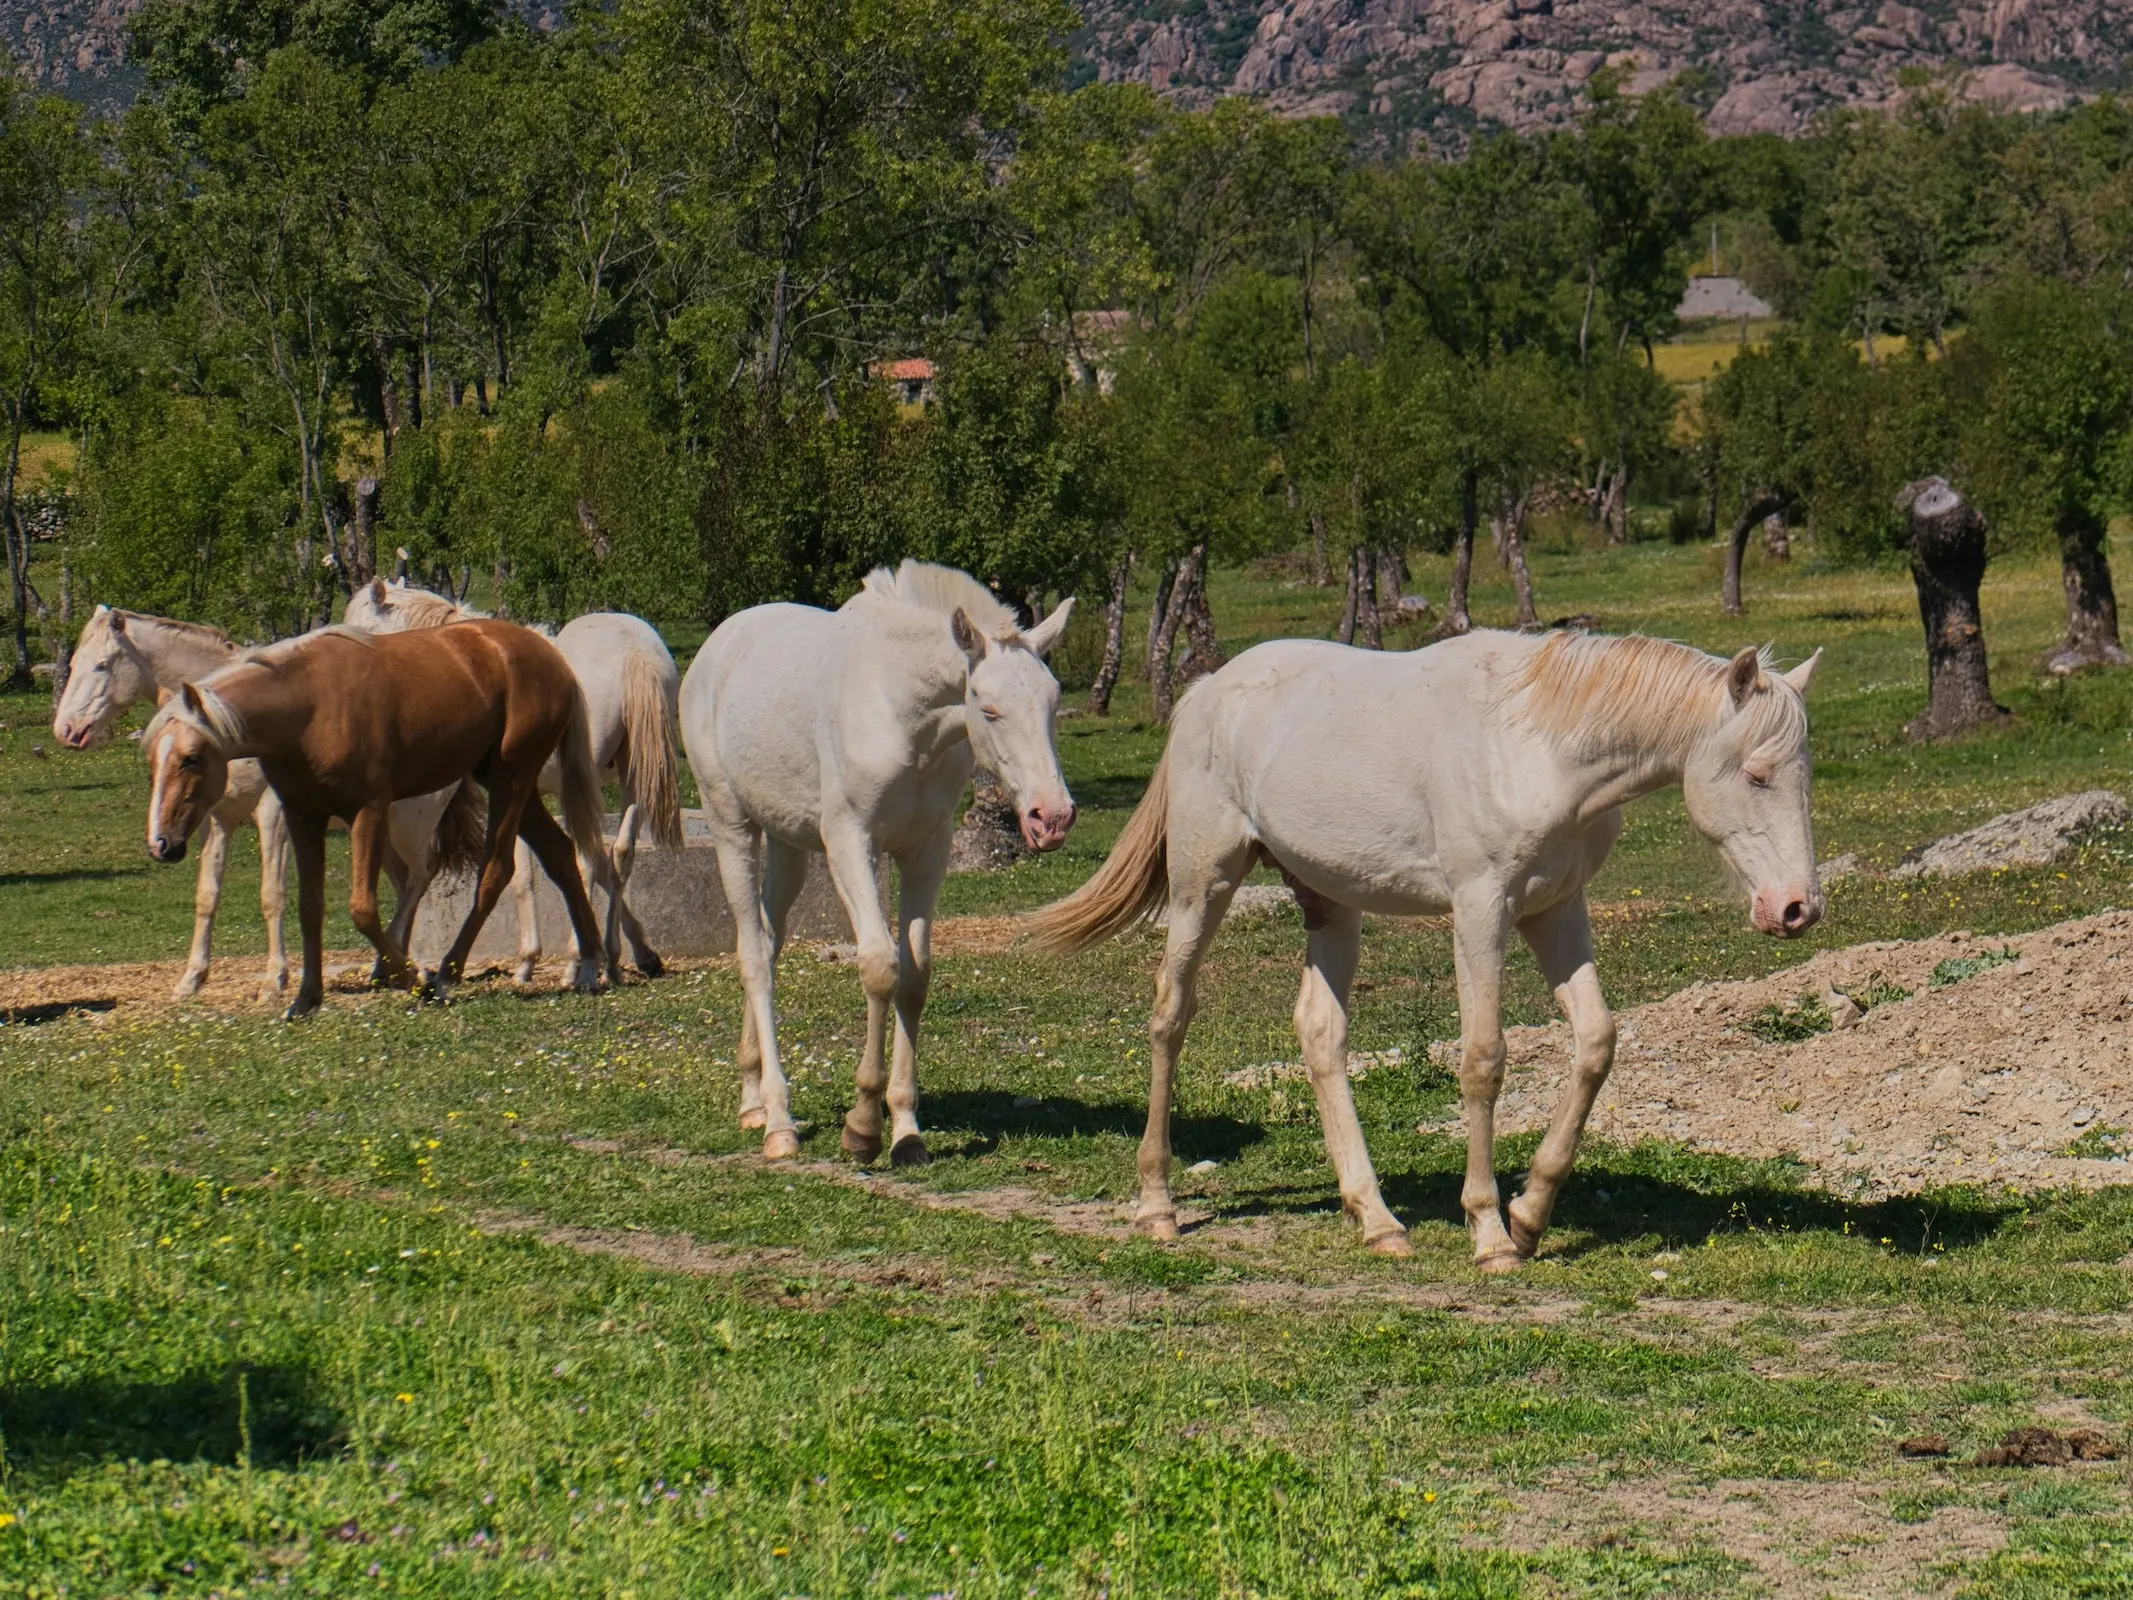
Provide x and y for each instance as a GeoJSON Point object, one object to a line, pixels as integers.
{"type": "Point", "coordinates": [362, 559]}
{"type": "Point", "coordinates": [1159, 612]}
{"type": "Point", "coordinates": [1752, 511]}
{"type": "Point", "coordinates": [18, 554]}
{"type": "Point", "coordinates": [1617, 513]}
{"type": "Point", "coordinates": [1203, 652]}
{"type": "Point", "coordinates": [388, 391]}
{"type": "Point", "coordinates": [990, 834]}
{"type": "Point", "coordinates": [1321, 571]}
{"type": "Point", "coordinates": [1947, 543]}
{"type": "Point", "coordinates": [1392, 578]}
{"type": "Point", "coordinates": [1161, 678]}
{"type": "Point", "coordinates": [1114, 637]}
{"type": "Point", "coordinates": [1514, 545]}
{"type": "Point", "coordinates": [1367, 615]}
{"type": "Point", "coordinates": [2091, 603]}
{"type": "Point", "coordinates": [1777, 538]}
{"type": "Point", "coordinates": [1456, 619]}
{"type": "Point", "coordinates": [63, 645]}
{"type": "Point", "coordinates": [1352, 600]}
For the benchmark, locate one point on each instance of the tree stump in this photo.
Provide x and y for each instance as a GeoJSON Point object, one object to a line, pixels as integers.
{"type": "Point", "coordinates": [2091, 601]}
{"type": "Point", "coordinates": [1947, 545]}
{"type": "Point", "coordinates": [990, 836]}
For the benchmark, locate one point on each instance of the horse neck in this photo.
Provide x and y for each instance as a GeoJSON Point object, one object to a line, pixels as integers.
{"type": "Point", "coordinates": [178, 655]}
{"type": "Point", "coordinates": [273, 704]}
{"type": "Point", "coordinates": [919, 669]}
{"type": "Point", "coordinates": [1621, 753]}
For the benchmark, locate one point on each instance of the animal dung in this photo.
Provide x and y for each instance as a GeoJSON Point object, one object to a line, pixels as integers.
{"type": "Point", "coordinates": [2040, 1447]}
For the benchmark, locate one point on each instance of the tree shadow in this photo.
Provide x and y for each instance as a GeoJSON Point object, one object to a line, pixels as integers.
{"type": "Point", "coordinates": [990, 1115]}
{"type": "Point", "coordinates": [275, 1415]}
{"type": "Point", "coordinates": [1110, 794]}
{"type": "Point", "coordinates": [21, 880]}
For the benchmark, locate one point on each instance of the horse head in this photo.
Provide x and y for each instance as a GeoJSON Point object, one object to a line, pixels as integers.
{"type": "Point", "coordinates": [108, 674]}
{"type": "Point", "coordinates": [1747, 786]}
{"type": "Point", "coordinates": [188, 771]}
{"type": "Point", "coordinates": [1011, 705]}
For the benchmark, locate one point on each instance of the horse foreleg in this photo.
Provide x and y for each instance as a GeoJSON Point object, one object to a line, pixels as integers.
{"type": "Point", "coordinates": [756, 956]}
{"type": "Point", "coordinates": [307, 837]}
{"type": "Point", "coordinates": [1561, 940]}
{"type": "Point", "coordinates": [366, 848]}
{"type": "Point", "coordinates": [918, 887]}
{"type": "Point", "coordinates": [523, 889]}
{"type": "Point", "coordinates": [854, 873]}
{"type": "Point", "coordinates": [1478, 929]}
{"type": "Point", "coordinates": [207, 897]}
{"type": "Point", "coordinates": [396, 873]}
{"type": "Point", "coordinates": [1322, 1028]}
{"type": "Point", "coordinates": [273, 886]}
{"type": "Point", "coordinates": [560, 861]}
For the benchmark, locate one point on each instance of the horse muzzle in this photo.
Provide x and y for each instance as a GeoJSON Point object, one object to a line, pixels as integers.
{"type": "Point", "coordinates": [1786, 914]}
{"type": "Point", "coordinates": [165, 849]}
{"type": "Point", "coordinates": [1044, 828]}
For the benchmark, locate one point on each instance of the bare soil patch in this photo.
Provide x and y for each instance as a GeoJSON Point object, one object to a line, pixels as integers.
{"type": "Point", "coordinates": [1991, 1078]}
{"type": "Point", "coordinates": [1807, 1540]}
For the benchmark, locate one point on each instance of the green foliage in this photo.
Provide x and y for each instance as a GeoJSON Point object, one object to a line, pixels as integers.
{"type": "Point", "coordinates": [1789, 1024]}
{"type": "Point", "coordinates": [1877, 991]}
{"type": "Point", "coordinates": [2097, 1142]}
{"type": "Point", "coordinates": [1956, 968]}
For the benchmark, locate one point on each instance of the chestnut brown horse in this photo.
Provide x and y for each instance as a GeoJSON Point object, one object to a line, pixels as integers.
{"type": "Point", "coordinates": [345, 722]}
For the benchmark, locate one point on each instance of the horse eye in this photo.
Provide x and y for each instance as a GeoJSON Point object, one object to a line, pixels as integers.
{"type": "Point", "coordinates": [189, 763]}
{"type": "Point", "coordinates": [992, 713]}
{"type": "Point", "coordinates": [1759, 780]}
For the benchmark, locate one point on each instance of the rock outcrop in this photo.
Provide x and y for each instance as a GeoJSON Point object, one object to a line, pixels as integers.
{"type": "Point", "coordinates": [1433, 70]}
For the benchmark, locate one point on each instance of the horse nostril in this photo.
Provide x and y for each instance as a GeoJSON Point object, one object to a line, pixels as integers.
{"type": "Point", "coordinates": [1796, 916]}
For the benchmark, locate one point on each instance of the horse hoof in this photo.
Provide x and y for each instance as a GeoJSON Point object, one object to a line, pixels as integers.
{"type": "Point", "coordinates": [909, 1151]}
{"type": "Point", "coordinates": [1395, 1243]}
{"type": "Point", "coordinates": [1161, 1226]}
{"type": "Point", "coordinates": [300, 1008]}
{"type": "Point", "coordinates": [863, 1148]}
{"type": "Point", "coordinates": [1524, 1239]}
{"type": "Point", "coordinates": [755, 1117]}
{"type": "Point", "coordinates": [782, 1145]}
{"type": "Point", "coordinates": [273, 982]}
{"type": "Point", "coordinates": [650, 965]}
{"type": "Point", "coordinates": [524, 975]}
{"type": "Point", "coordinates": [188, 986]}
{"type": "Point", "coordinates": [1499, 1262]}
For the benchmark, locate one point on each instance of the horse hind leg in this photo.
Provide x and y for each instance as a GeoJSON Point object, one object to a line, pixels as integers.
{"type": "Point", "coordinates": [622, 861]}
{"type": "Point", "coordinates": [273, 888]}
{"type": "Point", "coordinates": [1200, 893]}
{"type": "Point", "coordinates": [1322, 1030]}
{"type": "Point", "coordinates": [559, 859]}
{"type": "Point", "coordinates": [784, 872]}
{"type": "Point", "coordinates": [523, 891]}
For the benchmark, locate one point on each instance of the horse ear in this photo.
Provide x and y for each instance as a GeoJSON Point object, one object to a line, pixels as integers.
{"type": "Point", "coordinates": [118, 622]}
{"type": "Point", "coordinates": [1041, 638]}
{"type": "Point", "coordinates": [189, 697]}
{"type": "Point", "coordinates": [1743, 672]}
{"type": "Point", "coordinates": [1803, 674]}
{"type": "Point", "coordinates": [967, 638]}
{"type": "Point", "coordinates": [377, 591]}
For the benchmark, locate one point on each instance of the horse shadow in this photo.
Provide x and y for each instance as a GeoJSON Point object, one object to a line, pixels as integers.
{"type": "Point", "coordinates": [1605, 1210]}
{"type": "Point", "coordinates": [274, 1416]}
{"type": "Point", "coordinates": [986, 1116]}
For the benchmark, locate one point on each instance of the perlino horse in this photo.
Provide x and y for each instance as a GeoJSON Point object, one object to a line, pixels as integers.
{"type": "Point", "coordinates": [125, 657]}
{"type": "Point", "coordinates": [853, 733]}
{"type": "Point", "coordinates": [344, 722]}
{"type": "Point", "coordinates": [1483, 777]}
{"type": "Point", "coordinates": [631, 688]}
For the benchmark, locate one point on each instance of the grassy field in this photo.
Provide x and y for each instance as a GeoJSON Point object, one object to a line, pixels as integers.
{"type": "Point", "coordinates": [494, 1298]}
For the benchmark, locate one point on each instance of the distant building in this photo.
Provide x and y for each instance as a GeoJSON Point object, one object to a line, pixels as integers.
{"type": "Point", "coordinates": [910, 376]}
{"type": "Point", "coordinates": [1722, 300]}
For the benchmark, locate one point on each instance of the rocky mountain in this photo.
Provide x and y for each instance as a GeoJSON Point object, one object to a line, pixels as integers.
{"type": "Point", "coordinates": [1408, 70]}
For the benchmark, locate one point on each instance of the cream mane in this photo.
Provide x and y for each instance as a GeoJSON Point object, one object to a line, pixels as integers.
{"type": "Point", "coordinates": [424, 609]}
{"type": "Point", "coordinates": [942, 591]}
{"type": "Point", "coordinates": [279, 653]}
{"type": "Point", "coordinates": [1598, 693]}
{"type": "Point", "coordinates": [100, 627]}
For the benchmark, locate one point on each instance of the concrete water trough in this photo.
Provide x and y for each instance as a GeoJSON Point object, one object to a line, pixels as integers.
{"type": "Point", "coordinates": [676, 895]}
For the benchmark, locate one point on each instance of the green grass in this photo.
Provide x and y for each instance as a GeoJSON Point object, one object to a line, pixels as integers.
{"type": "Point", "coordinates": [494, 1298]}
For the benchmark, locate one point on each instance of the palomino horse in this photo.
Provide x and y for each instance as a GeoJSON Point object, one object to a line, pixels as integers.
{"type": "Point", "coordinates": [854, 732]}
{"type": "Point", "coordinates": [1483, 777]}
{"type": "Point", "coordinates": [631, 687]}
{"type": "Point", "coordinates": [345, 722]}
{"type": "Point", "coordinates": [125, 657]}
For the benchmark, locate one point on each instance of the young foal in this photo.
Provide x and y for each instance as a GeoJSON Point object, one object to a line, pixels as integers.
{"type": "Point", "coordinates": [854, 732]}
{"type": "Point", "coordinates": [1483, 777]}
{"type": "Point", "coordinates": [344, 723]}
{"type": "Point", "coordinates": [124, 657]}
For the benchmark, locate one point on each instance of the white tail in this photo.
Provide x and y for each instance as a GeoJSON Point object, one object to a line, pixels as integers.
{"type": "Point", "coordinates": [583, 809]}
{"type": "Point", "coordinates": [1128, 888]}
{"type": "Point", "coordinates": [650, 777]}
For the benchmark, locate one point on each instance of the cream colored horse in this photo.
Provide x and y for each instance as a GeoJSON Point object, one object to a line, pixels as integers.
{"type": "Point", "coordinates": [1483, 777]}
{"type": "Point", "coordinates": [631, 686]}
{"type": "Point", "coordinates": [854, 733]}
{"type": "Point", "coordinates": [125, 657]}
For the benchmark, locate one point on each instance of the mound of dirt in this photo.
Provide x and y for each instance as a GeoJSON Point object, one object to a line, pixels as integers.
{"type": "Point", "coordinates": [2000, 1062]}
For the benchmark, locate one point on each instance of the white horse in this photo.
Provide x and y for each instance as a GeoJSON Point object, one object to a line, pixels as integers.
{"type": "Point", "coordinates": [631, 688]}
{"type": "Point", "coordinates": [125, 657]}
{"type": "Point", "coordinates": [853, 733]}
{"type": "Point", "coordinates": [1483, 777]}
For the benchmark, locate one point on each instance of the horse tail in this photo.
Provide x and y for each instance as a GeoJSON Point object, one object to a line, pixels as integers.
{"type": "Point", "coordinates": [583, 808]}
{"type": "Point", "coordinates": [648, 718]}
{"type": "Point", "coordinates": [463, 829]}
{"type": "Point", "coordinates": [1128, 888]}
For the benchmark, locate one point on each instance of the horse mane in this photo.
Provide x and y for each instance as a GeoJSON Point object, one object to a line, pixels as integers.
{"type": "Point", "coordinates": [219, 722]}
{"type": "Point", "coordinates": [278, 653]}
{"type": "Point", "coordinates": [942, 591]}
{"type": "Point", "coordinates": [1598, 693]}
{"type": "Point", "coordinates": [207, 633]}
{"type": "Point", "coordinates": [426, 609]}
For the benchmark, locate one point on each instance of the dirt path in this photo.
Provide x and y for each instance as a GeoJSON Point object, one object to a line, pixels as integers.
{"type": "Point", "coordinates": [1991, 1077]}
